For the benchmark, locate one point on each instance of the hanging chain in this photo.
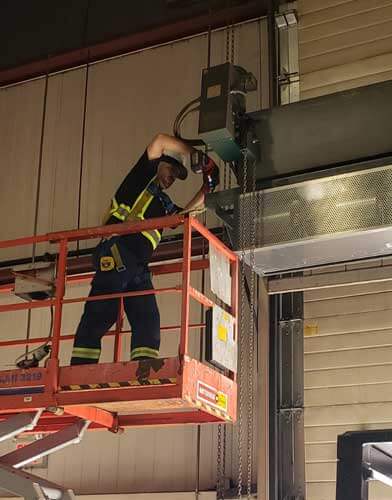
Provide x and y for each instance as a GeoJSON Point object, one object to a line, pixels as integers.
{"type": "Point", "coordinates": [242, 343]}
{"type": "Point", "coordinates": [219, 479]}
{"type": "Point", "coordinates": [227, 43]}
{"type": "Point", "coordinates": [232, 43]}
{"type": "Point", "coordinates": [254, 211]}
{"type": "Point", "coordinates": [224, 459]}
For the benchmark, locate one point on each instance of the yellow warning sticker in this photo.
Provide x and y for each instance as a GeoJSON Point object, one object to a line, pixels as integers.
{"type": "Point", "coordinates": [221, 400]}
{"type": "Point", "coordinates": [311, 329]}
{"type": "Point", "coordinates": [222, 332]}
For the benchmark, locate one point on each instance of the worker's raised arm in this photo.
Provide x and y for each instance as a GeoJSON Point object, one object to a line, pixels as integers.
{"type": "Point", "coordinates": [162, 142]}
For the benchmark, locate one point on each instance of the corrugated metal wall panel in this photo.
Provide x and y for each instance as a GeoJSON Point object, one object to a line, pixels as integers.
{"type": "Point", "coordinates": [203, 495]}
{"type": "Point", "coordinates": [129, 100]}
{"type": "Point", "coordinates": [348, 381]}
{"type": "Point", "coordinates": [20, 131]}
{"type": "Point", "coordinates": [343, 45]}
{"type": "Point", "coordinates": [326, 491]}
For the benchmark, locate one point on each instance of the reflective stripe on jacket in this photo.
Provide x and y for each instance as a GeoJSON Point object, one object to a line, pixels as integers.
{"type": "Point", "coordinates": [124, 212]}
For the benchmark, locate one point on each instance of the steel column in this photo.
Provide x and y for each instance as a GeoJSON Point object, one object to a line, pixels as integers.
{"type": "Point", "coordinates": [287, 447]}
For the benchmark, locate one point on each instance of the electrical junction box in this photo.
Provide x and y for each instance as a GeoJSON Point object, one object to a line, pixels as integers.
{"type": "Point", "coordinates": [222, 106]}
{"type": "Point", "coordinates": [35, 281]}
{"type": "Point", "coordinates": [221, 343]}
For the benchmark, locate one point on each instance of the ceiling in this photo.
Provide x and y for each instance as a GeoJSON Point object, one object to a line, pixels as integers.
{"type": "Point", "coordinates": [48, 35]}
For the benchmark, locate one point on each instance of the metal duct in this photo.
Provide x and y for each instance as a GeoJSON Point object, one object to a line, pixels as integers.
{"type": "Point", "coordinates": [334, 219]}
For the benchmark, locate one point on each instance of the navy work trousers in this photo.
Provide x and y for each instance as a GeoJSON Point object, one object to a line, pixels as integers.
{"type": "Point", "coordinates": [98, 316]}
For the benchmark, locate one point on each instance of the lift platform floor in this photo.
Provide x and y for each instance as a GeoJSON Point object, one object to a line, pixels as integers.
{"type": "Point", "coordinates": [193, 393]}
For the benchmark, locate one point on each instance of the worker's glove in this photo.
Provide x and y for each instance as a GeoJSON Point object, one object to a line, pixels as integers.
{"type": "Point", "coordinates": [211, 179]}
{"type": "Point", "coordinates": [203, 164]}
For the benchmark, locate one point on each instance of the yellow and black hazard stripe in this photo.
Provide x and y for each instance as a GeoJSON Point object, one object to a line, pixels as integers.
{"type": "Point", "coordinates": [210, 409]}
{"type": "Point", "coordinates": [116, 385]}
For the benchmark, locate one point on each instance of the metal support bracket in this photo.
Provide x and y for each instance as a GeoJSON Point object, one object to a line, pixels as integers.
{"type": "Point", "coordinates": [31, 487]}
{"type": "Point", "coordinates": [18, 424]}
{"type": "Point", "coordinates": [97, 415]}
{"type": "Point", "coordinates": [49, 444]}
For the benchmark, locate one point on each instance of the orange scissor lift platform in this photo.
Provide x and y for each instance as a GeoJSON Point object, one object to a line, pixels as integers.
{"type": "Point", "coordinates": [109, 395]}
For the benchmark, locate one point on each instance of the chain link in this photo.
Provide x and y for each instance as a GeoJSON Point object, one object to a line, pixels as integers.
{"type": "Point", "coordinates": [228, 43]}
{"type": "Point", "coordinates": [232, 43]}
{"type": "Point", "coordinates": [242, 343]}
{"type": "Point", "coordinates": [253, 221]}
{"type": "Point", "coordinates": [219, 489]}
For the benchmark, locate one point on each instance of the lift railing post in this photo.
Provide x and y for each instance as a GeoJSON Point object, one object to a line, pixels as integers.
{"type": "Point", "coordinates": [186, 281]}
{"type": "Point", "coordinates": [60, 290]}
{"type": "Point", "coordinates": [118, 333]}
{"type": "Point", "coordinates": [234, 299]}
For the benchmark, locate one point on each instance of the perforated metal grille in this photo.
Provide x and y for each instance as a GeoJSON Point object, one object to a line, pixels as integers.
{"type": "Point", "coordinates": [344, 203]}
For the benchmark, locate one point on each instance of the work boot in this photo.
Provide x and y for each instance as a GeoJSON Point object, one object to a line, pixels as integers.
{"type": "Point", "coordinates": [145, 365]}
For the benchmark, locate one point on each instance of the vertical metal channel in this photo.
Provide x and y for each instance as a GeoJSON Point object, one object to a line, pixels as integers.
{"type": "Point", "coordinates": [202, 315]}
{"type": "Point", "coordinates": [82, 147]}
{"type": "Point", "coordinates": [287, 446]}
{"type": "Point", "coordinates": [37, 194]}
{"type": "Point", "coordinates": [286, 22]}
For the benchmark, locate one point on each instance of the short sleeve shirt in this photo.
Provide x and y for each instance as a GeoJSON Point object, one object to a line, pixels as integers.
{"type": "Point", "coordinates": [131, 187]}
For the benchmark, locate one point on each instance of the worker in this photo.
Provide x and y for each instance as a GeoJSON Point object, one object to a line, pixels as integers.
{"type": "Point", "coordinates": [121, 262]}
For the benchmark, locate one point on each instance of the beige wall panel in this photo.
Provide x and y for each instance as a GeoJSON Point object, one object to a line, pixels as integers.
{"type": "Point", "coordinates": [348, 291]}
{"type": "Point", "coordinates": [323, 471]}
{"type": "Point", "coordinates": [13, 326]}
{"type": "Point", "coordinates": [343, 45]}
{"type": "Point", "coordinates": [349, 414]}
{"type": "Point", "coordinates": [356, 394]}
{"type": "Point", "coordinates": [329, 269]}
{"type": "Point", "coordinates": [377, 373]}
{"type": "Point", "coordinates": [349, 357]}
{"type": "Point", "coordinates": [59, 193]}
{"type": "Point", "coordinates": [327, 491]}
{"type": "Point", "coordinates": [348, 341]}
{"type": "Point", "coordinates": [321, 491]}
{"type": "Point", "coordinates": [132, 98]}
{"type": "Point", "coordinates": [339, 22]}
{"type": "Point", "coordinates": [363, 321]}
{"type": "Point", "coordinates": [316, 84]}
{"type": "Point", "coordinates": [366, 264]}
{"type": "Point", "coordinates": [310, 6]}
{"type": "Point", "coordinates": [20, 131]}
{"type": "Point", "coordinates": [314, 59]}
{"type": "Point", "coordinates": [350, 305]}
{"type": "Point", "coordinates": [327, 434]}
{"type": "Point", "coordinates": [326, 13]}
{"type": "Point", "coordinates": [317, 452]}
